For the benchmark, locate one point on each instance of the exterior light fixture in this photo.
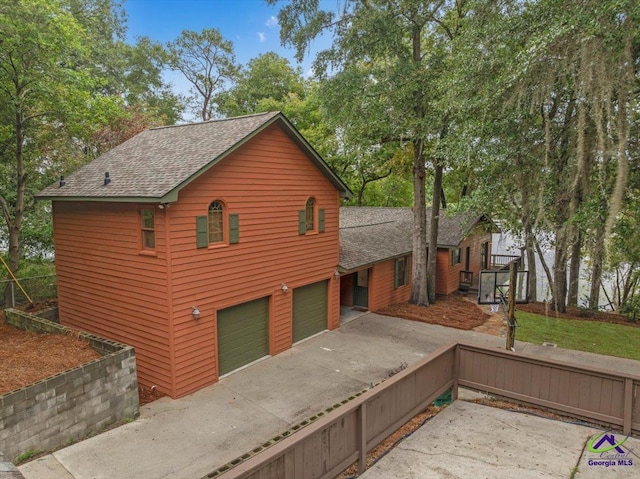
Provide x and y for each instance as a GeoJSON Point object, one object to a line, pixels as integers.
{"type": "Point", "coordinates": [285, 288]}
{"type": "Point", "coordinates": [196, 313]}
{"type": "Point", "coordinates": [336, 273]}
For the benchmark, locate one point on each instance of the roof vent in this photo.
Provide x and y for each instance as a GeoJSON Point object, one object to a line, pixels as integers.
{"type": "Point", "coordinates": [107, 180]}
{"type": "Point", "coordinates": [62, 182]}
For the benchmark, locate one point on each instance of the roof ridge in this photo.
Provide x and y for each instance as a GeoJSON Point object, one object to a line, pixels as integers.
{"type": "Point", "coordinates": [368, 224]}
{"type": "Point", "coordinates": [216, 120]}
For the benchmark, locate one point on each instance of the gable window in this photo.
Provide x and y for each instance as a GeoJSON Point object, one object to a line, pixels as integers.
{"type": "Point", "coordinates": [309, 214]}
{"type": "Point", "coordinates": [455, 256]}
{"type": "Point", "coordinates": [148, 228]}
{"type": "Point", "coordinates": [308, 222]}
{"type": "Point", "coordinates": [216, 222]}
{"type": "Point", "coordinates": [401, 277]}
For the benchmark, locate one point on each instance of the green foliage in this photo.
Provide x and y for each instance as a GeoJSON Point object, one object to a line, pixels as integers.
{"type": "Point", "coordinates": [207, 61]}
{"type": "Point", "coordinates": [631, 308]}
{"type": "Point", "coordinates": [582, 335]}
{"type": "Point", "coordinates": [25, 456]}
{"type": "Point", "coordinates": [66, 77]}
{"type": "Point", "coordinates": [266, 79]}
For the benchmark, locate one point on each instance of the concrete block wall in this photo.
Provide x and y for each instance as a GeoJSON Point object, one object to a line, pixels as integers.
{"type": "Point", "coordinates": [73, 404]}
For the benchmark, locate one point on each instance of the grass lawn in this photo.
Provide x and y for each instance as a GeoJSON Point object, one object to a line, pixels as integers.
{"type": "Point", "coordinates": [592, 336]}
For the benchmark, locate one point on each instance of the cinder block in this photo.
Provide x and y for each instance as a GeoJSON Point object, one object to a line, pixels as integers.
{"type": "Point", "coordinates": [13, 397]}
{"type": "Point", "coordinates": [55, 381]}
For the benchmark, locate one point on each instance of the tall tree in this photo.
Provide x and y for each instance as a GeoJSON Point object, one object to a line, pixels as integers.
{"type": "Point", "coordinates": [65, 73]}
{"type": "Point", "coordinates": [207, 61]}
{"type": "Point", "coordinates": [385, 67]}
{"type": "Point", "coordinates": [41, 47]}
{"type": "Point", "coordinates": [563, 77]}
{"type": "Point", "coordinates": [268, 76]}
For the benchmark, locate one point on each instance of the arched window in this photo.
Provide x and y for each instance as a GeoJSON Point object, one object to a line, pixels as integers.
{"type": "Point", "coordinates": [216, 222]}
{"type": "Point", "coordinates": [310, 213]}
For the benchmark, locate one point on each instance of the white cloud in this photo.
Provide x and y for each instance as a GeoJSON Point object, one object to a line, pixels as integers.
{"type": "Point", "coordinates": [272, 22]}
{"type": "Point", "coordinates": [262, 37]}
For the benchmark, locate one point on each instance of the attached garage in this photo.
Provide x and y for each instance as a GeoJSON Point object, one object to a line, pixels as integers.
{"type": "Point", "coordinates": [243, 334]}
{"type": "Point", "coordinates": [309, 310]}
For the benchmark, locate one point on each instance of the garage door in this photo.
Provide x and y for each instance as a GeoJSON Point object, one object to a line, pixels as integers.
{"type": "Point", "coordinates": [243, 334]}
{"type": "Point", "coordinates": [309, 310]}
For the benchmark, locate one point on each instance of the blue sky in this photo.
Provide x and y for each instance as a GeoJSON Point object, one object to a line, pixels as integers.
{"type": "Point", "coordinates": [251, 25]}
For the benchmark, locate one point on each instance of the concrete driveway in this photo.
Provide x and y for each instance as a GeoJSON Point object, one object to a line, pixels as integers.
{"type": "Point", "coordinates": [192, 436]}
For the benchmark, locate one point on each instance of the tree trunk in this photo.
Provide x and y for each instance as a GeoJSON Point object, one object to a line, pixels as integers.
{"type": "Point", "coordinates": [574, 270]}
{"type": "Point", "coordinates": [419, 278]}
{"type": "Point", "coordinates": [18, 212]}
{"type": "Point", "coordinates": [559, 289]}
{"type": "Point", "coordinates": [433, 232]}
{"type": "Point", "coordinates": [531, 262]}
{"type": "Point", "coordinates": [597, 260]}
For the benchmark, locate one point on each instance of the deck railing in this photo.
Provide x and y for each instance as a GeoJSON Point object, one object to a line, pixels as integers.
{"type": "Point", "coordinates": [499, 261]}
{"type": "Point", "coordinates": [345, 435]}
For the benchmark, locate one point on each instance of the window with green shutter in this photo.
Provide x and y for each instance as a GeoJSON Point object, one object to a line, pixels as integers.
{"type": "Point", "coordinates": [311, 219]}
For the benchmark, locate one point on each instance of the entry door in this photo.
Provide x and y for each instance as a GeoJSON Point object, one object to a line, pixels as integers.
{"type": "Point", "coordinates": [361, 289]}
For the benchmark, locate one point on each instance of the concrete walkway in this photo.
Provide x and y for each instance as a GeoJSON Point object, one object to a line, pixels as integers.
{"type": "Point", "coordinates": [468, 440]}
{"type": "Point", "coordinates": [192, 436]}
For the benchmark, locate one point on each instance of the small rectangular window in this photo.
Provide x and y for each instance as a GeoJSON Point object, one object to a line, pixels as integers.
{"type": "Point", "coordinates": [455, 256]}
{"type": "Point", "coordinates": [148, 225]}
{"type": "Point", "coordinates": [401, 272]}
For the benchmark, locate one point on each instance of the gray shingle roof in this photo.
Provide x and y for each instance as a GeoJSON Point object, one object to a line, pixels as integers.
{"type": "Point", "coordinates": [369, 235]}
{"type": "Point", "coordinates": [155, 164]}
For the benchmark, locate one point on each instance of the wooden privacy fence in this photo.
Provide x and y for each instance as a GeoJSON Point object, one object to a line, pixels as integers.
{"type": "Point", "coordinates": [328, 446]}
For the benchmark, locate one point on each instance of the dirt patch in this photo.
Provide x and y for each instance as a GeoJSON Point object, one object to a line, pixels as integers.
{"type": "Point", "coordinates": [148, 394]}
{"type": "Point", "coordinates": [454, 311]}
{"type": "Point", "coordinates": [27, 357]}
{"type": "Point", "coordinates": [462, 312]}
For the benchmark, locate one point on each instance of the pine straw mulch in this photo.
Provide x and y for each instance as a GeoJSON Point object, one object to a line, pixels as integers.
{"type": "Point", "coordinates": [454, 311]}
{"type": "Point", "coordinates": [389, 443]}
{"type": "Point", "coordinates": [27, 357]}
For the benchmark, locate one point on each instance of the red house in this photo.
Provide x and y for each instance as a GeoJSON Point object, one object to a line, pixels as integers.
{"type": "Point", "coordinates": [205, 246]}
{"type": "Point", "coordinates": [376, 254]}
{"type": "Point", "coordinates": [212, 245]}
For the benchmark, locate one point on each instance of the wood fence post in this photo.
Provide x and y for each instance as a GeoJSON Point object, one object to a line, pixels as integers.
{"type": "Point", "coordinates": [362, 438]}
{"type": "Point", "coordinates": [511, 316]}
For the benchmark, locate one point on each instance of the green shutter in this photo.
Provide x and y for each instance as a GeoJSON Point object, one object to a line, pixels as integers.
{"type": "Point", "coordinates": [302, 222]}
{"type": "Point", "coordinates": [396, 277]}
{"type": "Point", "coordinates": [201, 232]}
{"type": "Point", "coordinates": [234, 229]}
{"type": "Point", "coordinates": [321, 220]}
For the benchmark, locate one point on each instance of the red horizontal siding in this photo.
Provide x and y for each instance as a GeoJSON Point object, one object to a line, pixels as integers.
{"type": "Point", "coordinates": [266, 182]}
{"type": "Point", "coordinates": [107, 287]}
{"type": "Point", "coordinates": [382, 290]}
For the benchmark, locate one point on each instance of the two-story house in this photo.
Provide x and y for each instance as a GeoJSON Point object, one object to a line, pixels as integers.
{"type": "Point", "coordinates": [205, 246]}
